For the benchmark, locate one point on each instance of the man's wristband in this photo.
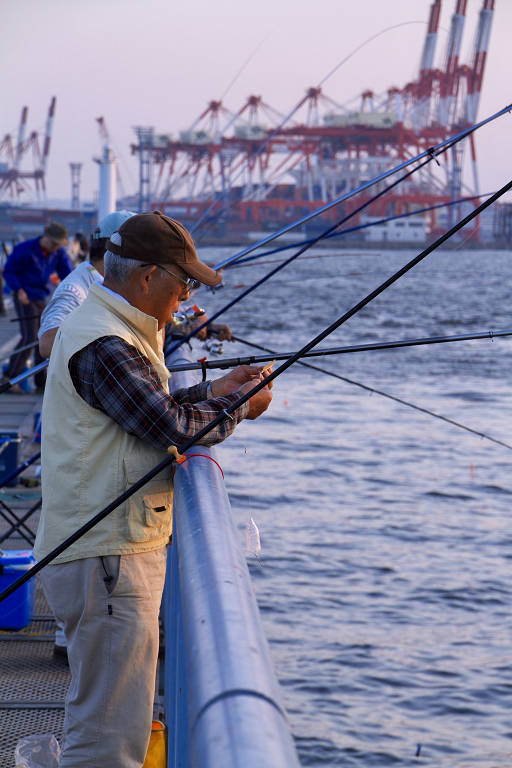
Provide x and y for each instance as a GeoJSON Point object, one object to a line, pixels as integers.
{"type": "Point", "coordinates": [209, 390]}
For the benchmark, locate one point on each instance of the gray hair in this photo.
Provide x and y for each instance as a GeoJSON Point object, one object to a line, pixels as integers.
{"type": "Point", "coordinates": [118, 268]}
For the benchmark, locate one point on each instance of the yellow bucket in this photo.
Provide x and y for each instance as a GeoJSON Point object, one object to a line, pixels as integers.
{"type": "Point", "coordinates": [156, 756]}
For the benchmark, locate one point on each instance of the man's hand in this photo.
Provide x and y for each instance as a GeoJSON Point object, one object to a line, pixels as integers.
{"type": "Point", "coordinates": [259, 402]}
{"type": "Point", "coordinates": [193, 324]}
{"type": "Point", "coordinates": [236, 378]}
{"type": "Point", "coordinates": [22, 297]}
{"type": "Point", "coordinates": [221, 331]}
{"type": "Point", "coordinates": [243, 379]}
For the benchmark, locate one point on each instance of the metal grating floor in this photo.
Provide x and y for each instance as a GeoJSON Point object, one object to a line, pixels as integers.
{"type": "Point", "coordinates": [33, 683]}
{"type": "Point", "coordinates": [15, 724]}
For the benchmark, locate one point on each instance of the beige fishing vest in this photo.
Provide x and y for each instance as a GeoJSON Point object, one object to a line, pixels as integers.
{"type": "Point", "coordinates": [87, 458]}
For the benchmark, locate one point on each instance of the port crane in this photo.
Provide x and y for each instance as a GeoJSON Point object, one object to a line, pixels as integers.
{"type": "Point", "coordinates": [252, 168]}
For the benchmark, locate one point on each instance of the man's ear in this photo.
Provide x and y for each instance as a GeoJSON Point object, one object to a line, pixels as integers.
{"type": "Point", "coordinates": [146, 276]}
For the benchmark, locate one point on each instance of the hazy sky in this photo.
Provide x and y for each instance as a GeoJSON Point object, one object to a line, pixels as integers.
{"type": "Point", "coordinates": [158, 62]}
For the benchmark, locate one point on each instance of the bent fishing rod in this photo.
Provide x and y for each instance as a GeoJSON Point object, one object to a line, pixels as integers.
{"type": "Point", "coordinates": [394, 398]}
{"type": "Point", "coordinates": [431, 156]}
{"type": "Point", "coordinates": [232, 362]}
{"type": "Point", "coordinates": [226, 414]}
{"type": "Point", "coordinates": [434, 150]}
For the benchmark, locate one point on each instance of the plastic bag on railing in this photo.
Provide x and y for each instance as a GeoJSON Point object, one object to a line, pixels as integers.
{"type": "Point", "coordinates": [41, 750]}
{"type": "Point", "coordinates": [252, 540]}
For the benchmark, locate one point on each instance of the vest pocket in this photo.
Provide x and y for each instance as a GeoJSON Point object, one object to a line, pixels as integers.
{"type": "Point", "coordinates": [149, 510]}
{"type": "Point", "coordinates": [150, 516]}
{"type": "Point", "coordinates": [158, 510]}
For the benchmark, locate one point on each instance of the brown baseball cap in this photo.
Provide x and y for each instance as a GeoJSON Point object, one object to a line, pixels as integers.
{"type": "Point", "coordinates": [157, 239]}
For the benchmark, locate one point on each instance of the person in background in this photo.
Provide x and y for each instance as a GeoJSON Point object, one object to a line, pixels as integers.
{"type": "Point", "coordinates": [79, 249]}
{"type": "Point", "coordinates": [74, 289]}
{"type": "Point", "coordinates": [108, 418]}
{"type": "Point", "coordinates": [27, 272]}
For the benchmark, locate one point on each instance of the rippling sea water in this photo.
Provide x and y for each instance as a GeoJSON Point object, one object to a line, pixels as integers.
{"type": "Point", "coordinates": [385, 586]}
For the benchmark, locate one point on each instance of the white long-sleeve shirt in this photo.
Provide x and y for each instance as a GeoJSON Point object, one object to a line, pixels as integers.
{"type": "Point", "coordinates": [68, 295]}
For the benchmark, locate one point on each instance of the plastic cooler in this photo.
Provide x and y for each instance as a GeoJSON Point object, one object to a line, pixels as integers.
{"type": "Point", "coordinates": [16, 611]}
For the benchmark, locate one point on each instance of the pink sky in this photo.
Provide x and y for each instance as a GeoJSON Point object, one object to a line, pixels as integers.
{"type": "Point", "coordinates": [158, 62]}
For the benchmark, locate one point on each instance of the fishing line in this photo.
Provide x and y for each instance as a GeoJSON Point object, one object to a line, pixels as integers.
{"type": "Point", "coordinates": [173, 457]}
{"type": "Point", "coordinates": [362, 45]}
{"type": "Point", "coordinates": [401, 401]}
{"type": "Point", "coordinates": [240, 71]}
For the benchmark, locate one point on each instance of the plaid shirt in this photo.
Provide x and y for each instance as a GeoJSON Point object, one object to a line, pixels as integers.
{"type": "Point", "coordinates": [116, 378]}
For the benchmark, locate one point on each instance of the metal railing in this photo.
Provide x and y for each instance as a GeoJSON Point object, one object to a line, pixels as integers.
{"type": "Point", "coordinates": [223, 704]}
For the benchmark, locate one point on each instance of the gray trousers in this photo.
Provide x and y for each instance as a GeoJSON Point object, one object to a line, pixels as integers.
{"type": "Point", "coordinates": [109, 607]}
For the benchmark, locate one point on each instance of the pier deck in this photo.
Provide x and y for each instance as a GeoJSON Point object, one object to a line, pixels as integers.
{"type": "Point", "coordinates": [33, 682]}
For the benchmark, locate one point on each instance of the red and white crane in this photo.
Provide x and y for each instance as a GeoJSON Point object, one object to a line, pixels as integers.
{"type": "Point", "coordinates": [257, 175]}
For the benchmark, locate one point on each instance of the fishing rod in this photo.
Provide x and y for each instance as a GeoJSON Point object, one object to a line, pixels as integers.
{"type": "Point", "coordinates": [232, 362]}
{"type": "Point", "coordinates": [430, 156]}
{"type": "Point", "coordinates": [288, 261]}
{"type": "Point", "coordinates": [431, 151]}
{"type": "Point", "coordinates": [366, 225]}
{"type": "Point", "coordinates": [20, 469]}
{"type": "Point", "coordinates": [19, 349]}
{"type": "Point", "coordinates": [226, 414]}
{"type": "Point", "coordinates": [394, 398]}
{"type": "Point", "coordinates": [23, 376]}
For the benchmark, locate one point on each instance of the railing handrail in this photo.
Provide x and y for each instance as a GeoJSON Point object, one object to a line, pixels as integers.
{"type": "Point", "coordinates": [234, 711]}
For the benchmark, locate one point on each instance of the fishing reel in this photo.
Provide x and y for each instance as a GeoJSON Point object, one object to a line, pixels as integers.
{"type": "Point", "coordinates": [214, 346]}
{"type": "Point", "coordinates": [187, 315]}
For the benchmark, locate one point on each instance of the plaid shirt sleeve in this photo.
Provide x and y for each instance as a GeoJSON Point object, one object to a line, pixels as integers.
{"type": "Point", "coordinates": [114, 377]}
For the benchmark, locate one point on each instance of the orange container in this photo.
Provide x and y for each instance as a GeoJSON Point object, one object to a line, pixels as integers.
{"type": "Point", "coordinates": [156, 756]}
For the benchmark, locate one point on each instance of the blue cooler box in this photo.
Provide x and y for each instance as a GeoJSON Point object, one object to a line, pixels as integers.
{"type": "Point", "coordinates": [15, 612]}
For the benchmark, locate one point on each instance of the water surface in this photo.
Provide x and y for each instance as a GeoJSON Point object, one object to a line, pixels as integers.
{"type": "Point", "coordinates": [385, 589]}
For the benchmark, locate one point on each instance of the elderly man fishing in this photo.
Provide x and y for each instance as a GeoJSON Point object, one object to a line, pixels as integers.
{"type": "Point", "coordinates": [107, 419]}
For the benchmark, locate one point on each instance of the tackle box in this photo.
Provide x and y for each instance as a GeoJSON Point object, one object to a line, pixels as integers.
{"type": "Point", "coordinates": [16, 611]}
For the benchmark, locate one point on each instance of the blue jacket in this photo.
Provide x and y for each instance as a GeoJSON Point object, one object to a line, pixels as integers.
{"type": "Point", "coordinates": [29, 268]}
